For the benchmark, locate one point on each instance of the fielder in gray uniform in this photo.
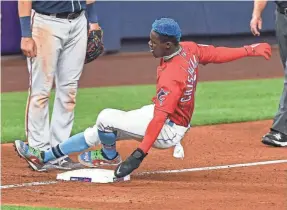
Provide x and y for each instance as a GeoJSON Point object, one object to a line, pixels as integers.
{"type": "Point", "coordinates": [54, 39]}
{"type": "Point", "coordinates": [278, 132]}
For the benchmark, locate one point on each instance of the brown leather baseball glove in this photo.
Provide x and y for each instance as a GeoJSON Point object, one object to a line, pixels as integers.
{"type": "Point", "coordinates": [95, 46]}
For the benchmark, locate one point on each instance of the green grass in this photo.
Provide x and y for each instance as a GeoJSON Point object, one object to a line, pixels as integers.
{"type": "Point", "coordinates": [27, 208]}
{"type": "Point", "coordinates": [216, 102]}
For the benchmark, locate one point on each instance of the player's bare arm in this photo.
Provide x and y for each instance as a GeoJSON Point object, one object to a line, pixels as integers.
{"type": "Point", "coordinates": [28, 45]}
{"type": "Point", "coordinates": [256, 21]}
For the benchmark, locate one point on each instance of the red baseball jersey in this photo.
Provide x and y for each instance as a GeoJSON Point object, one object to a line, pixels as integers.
{"type": "Point", "coordinates": [177, 78]}
{"type": "Point", "coordinates": [176, 85]}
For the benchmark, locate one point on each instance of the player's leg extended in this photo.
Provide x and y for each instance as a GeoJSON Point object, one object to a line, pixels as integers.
{"type": "Point", "coordinates": [113, 125]}
{"type": "Point", "coordinates": [278, 134]}
{"type": "Point", "coordinates": [70, 66]}
{"type": "Point", "coordinates": [79, 143]}
{"type": "Point", "coordinates": [41, 70]}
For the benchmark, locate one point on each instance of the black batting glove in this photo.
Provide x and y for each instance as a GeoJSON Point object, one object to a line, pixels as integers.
{"type": "Point", "coordinates": [130, 164]}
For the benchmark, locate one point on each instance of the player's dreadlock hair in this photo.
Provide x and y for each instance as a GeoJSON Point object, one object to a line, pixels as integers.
{"type": "Point", "coordinates": [168, 30]}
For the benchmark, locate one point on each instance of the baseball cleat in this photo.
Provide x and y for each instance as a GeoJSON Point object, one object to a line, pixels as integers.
{"type": "Point", "coordinates": [97, 158]}
{"type": "Point", "coordinates": [68, 164]}
{"type": "Point", "coordinates": [275, 138]}
{"type": "Point", "coordinates": [62, 164]}
{"type": "Point", "coordinates": [30, 154]}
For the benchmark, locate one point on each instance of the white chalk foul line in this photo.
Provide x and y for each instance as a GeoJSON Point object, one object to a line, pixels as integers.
{"type": "Point", "coordinates": [28, 184]}
{"type": "Point", "coordinates": [214, 167]}
{"type": "Point", "coordinates": [162, 172]}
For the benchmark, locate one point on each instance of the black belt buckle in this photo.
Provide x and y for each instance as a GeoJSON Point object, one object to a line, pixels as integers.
{"type": "Point", "coordinates": [68, 16]}
{"type": "Point", "coordinates": [73, 15]}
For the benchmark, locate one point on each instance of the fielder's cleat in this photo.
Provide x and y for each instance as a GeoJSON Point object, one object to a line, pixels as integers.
{"type": "Point", "coordinates": [97, 158]}
{"type": "Point", "coordinates": [30, 154]}
{"type": "Point", "coordinates": [275, 138]}
{"type": "Point", "coordinates": [30, 165]}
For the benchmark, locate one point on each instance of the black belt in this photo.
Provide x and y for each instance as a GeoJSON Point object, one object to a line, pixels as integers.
{"type": "Point", "coordinates": [64, 15]}
{"type": "Point", "coordinates": [282, 10]}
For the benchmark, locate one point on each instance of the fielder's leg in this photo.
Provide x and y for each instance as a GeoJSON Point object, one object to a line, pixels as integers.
{"type": "Point", "coordinates": [278, 133]}
{"type": "Point", "coordinates": [41, 70]}
{"type": "Point", "coordinates": [70, 66]}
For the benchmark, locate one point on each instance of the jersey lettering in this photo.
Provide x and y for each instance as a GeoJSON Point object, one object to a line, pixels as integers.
{"type": "Point", "coordinates": [191, 79]}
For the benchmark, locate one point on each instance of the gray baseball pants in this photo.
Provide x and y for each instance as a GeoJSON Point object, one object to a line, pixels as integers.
{"type": "Point", "coordinates": [280, 119]}
{"type": "Point", "coordinates": [61, 49]}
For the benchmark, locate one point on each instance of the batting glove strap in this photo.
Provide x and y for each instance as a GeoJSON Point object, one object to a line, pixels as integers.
{"type": "Point", "coordinates": [139, 154]}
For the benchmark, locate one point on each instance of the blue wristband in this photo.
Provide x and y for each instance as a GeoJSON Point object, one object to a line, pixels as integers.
{"type": "Point", "coordinates": [91, 13]}
{"type": "Point", "coordinates": [25, 23]}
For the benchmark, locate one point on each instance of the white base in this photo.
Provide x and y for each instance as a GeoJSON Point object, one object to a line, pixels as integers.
{"type": "Point", "coordinates": [91, 175]}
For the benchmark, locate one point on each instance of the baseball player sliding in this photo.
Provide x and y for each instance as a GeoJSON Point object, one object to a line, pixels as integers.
{"type": "Point", "coordinates": [162, 124]}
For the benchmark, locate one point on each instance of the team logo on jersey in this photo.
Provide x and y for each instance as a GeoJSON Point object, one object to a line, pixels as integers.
{"type": "Point", "coordinates": [161, 95]}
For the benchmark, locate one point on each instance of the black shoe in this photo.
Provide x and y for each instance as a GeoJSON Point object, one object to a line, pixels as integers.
{"type": "Point", "coordinates": [275, 138]}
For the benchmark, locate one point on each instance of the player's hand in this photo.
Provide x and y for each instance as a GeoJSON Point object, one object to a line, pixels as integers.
{"type": "Point", "coordinates": [259, 49]}
{"type": "Point", "coordinates": [28, 47]}
{"type": "Point", "coordinates": [94, 27]}
{"type": "Point", "coordinates": [130, 164]}
{"type": "Point", "coordinates": [256, 25]}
